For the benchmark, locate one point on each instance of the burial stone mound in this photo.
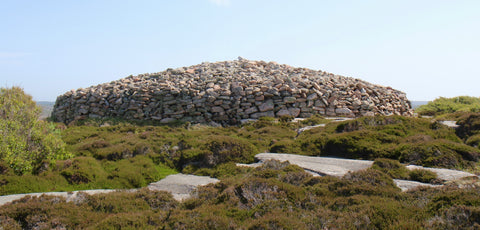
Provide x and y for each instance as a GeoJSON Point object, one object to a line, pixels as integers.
{"type": "Point", "coordinates": [229, 91]}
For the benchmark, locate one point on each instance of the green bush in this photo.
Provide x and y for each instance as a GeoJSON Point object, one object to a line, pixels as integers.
{"type": "Point", "coordinates": [469, 125]}
{"type": "Point", "coordinates": [439, 153]}
{"type": "Point", "coordinates": [361, 144]}
{"type": "Point", "coordinates": [443, 105]}
{"type": "Point", "coordinates": [365, 182]}
{"type": "Point", "coordinates": [393, 168]}
{"type": "Point", "coordinates": [84, 170]}
{"type": "Point", "coordinates": [315, 120]}
{"type": "Point", "coordinates": [286, 118]}
{"type": "Point", "coordinates": [223, 149]}
{"type": "Point", "coordinates": [285, 146]}
{"type": "Point", "coordinates": [474, 141]}
{"type": "Point", "coordinates": [422, 175]}
{"type": "Point", "coordinates": [27, 144]}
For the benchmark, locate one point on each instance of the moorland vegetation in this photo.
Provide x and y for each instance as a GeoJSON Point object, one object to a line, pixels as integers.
{"type": "Point", "coordinates": [444, 106]}
{"type": "Point", "coordinates": [109, 153]}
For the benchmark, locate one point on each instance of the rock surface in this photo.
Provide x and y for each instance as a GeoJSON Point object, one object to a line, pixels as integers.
{"type": "Point", "coordinates": [321, 166]}
{"type": "Point", "coordinates": [227, 92]}
{"type": "Point", "coordinates": [451, 124]}
{"type": "Point", "coordinates": [69, 196]}
{"type": "Point", "coordinates": [444, 174]}
{"type": "Point", "coordinates": [406, 185]}
{"type": "Point", "coordinates": [180, 185]}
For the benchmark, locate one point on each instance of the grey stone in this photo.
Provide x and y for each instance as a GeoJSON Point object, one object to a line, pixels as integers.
{"type": "Point", "coordinates": [283, 112]}
{"type": "Point", "coordinates": [294, 111]}
{"type": "Point", "coordinates": [266, 106]}
{"type": "Point", "coordinates": [217, 109]}
{"type": "Point", "coordinates": [289, 99]}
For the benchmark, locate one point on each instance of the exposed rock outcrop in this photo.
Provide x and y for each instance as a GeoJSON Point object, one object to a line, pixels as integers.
{"type": "Point", "coordinates": [226, 92]}
{"type": "Point", "coordinates": [180, 185]}
{"type": "Point", "coordinates": [321, 166]}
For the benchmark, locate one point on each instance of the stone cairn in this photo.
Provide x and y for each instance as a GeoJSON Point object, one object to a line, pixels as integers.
{"type": "Point", "coordinates": [227, 92]}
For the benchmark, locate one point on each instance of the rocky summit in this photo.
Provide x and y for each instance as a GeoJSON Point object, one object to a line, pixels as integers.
{"type": "Point", "coordinates": [229, 91]}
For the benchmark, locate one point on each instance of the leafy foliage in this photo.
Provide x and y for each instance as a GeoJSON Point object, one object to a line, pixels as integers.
{"type": "Point", "coordinates": [27, 144]}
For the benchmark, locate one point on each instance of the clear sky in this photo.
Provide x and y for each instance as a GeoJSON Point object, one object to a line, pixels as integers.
{"type": "Point", "coordinates": [426, 48]}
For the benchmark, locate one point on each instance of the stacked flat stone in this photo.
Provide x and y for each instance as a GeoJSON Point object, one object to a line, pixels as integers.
{"type": "Point", "coordinates": [227, 92]}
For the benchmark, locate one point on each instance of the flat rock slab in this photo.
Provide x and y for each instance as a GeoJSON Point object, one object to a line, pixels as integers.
{"type": "Point", "coordinates": [69, 196]}
{"type": "Point", "coordinates": [301, 130]}
{"type": "Point", "coordinates": [451, 124]}
{"type": "Point", "coordinates": [405, 185]}
{"type": "Point", "coordinates": [320, 165]}
{"type": "Point", "coordinates": [181, 185]}
{"type": "Point", "coordinates": [444, 174]}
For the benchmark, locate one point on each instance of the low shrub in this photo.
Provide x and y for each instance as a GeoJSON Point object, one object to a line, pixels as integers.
{"type": "Point", "coordinates": [469, 125]}
{"type": "Point", "coordinates": [457, 217]}
{"type": "Point", "coordinates": [286, 118]}
{"type": "Point", "coordinates": [422, 175]}
{"type": "Point", "coordinates": [444, 105]}
{"type": "Point", "coordinates": [315, 120]}
{"type": "Point", "coordinates": [362, 144]}
{"type": "Point", "coordinates": [438, 153]}
{"type": "Point", "coordinates": [286, 146]}
{"type": "Point", "coordinates": [473, 141]}
{"type": "Point", "coordinates": [223, 149]}
{"type": "Point", "coordinates": [365, 182]}
{"type": "Point", "coordinates": [393, 168]}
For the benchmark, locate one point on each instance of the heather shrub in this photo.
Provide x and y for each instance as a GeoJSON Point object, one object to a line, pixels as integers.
{"type": "Point", "coordinates": [286, 118]}
{"type": "Point", "coordinates": [393, 168]}
{"type": "Point", "coordinates": [84, 170]}
{"type": "Point", "coordinates": [263, 122]}
{"type": "Point", "coordinates": [422, 175]}
{"type": "Point", "coordinates": [473, 141]}
{"type": "Point", "coordinates": [277, 220]}
{"type": "Point", "coordinates": [469, 125]}
{"type": "Point", "coordinates": [366, 182]}
{"type": "Point", "coordinates": [286, 146]}
{"type": "Point", "coordinates": [361, 144]}
{"type": "Point", "coordinates": [314, 120]}
{"type": "Point", "coordinates": [126, 221]}
{"type": "Point", "coordinates": [222, 170]}
{"type": "Point", "coordinates": [439, 153]}
{"type": "Point", "coordinates": [28, 183]}
{"type": "Point", "coordinates": [137, 172]}
{"type": "Point", "coordinates": [456, 217]}
{"type": "Point", "coordinates": [223, 149]}
{"type": "Point", "coordinates": [444, 105]}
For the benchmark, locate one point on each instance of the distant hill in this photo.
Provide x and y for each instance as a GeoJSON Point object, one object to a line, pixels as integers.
{"type": "Point", "coordinates": [47, 107]}
{"type": "Point", "coordinates": [416, 104]}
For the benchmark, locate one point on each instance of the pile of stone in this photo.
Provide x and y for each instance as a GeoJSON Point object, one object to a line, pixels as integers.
{"type": "Point", "coordinates": [227, 92]}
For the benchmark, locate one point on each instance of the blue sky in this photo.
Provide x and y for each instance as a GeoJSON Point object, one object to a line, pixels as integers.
{"type": "Point", "coordinates": [426, 48]}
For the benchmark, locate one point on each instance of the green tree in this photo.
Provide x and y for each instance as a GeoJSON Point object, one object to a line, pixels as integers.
{"type": "Point", "coordinates": [27, 143]}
